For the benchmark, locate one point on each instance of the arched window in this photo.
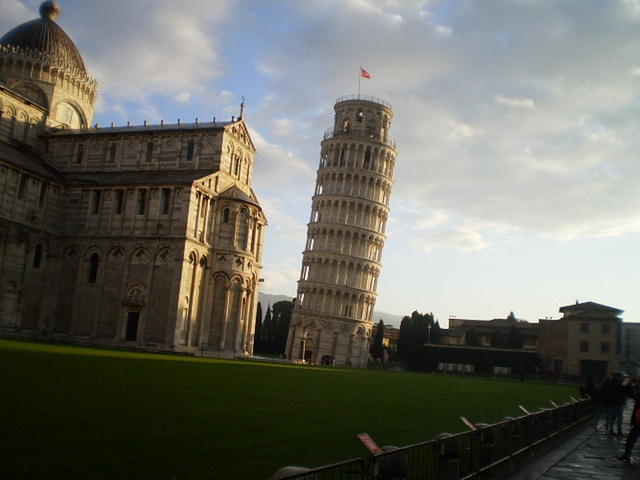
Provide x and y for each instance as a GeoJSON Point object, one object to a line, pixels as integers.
{"type": "Point", "coordinates": [94, 262]}
{"type": "Point", "coordinates": [225, 215]}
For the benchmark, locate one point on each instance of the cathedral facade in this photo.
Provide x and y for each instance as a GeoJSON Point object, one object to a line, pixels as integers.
{"type": "Point", "coordinates": [332, 321]}
{"type": "Point", "coordinates": [144, 236]}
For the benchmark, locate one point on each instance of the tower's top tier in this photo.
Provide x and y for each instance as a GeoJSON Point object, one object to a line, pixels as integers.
{"type": "Point", "coordinates": [362, 116]}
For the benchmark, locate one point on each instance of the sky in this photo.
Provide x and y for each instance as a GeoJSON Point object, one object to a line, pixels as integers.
{"type": "Point", "coordinates": [517, 124]}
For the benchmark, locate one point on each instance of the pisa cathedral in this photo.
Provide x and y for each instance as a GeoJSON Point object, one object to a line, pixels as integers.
{"type": "Point", "coordinates": [143, 236]}
{"type": "Point", "coordinates": [332, 320]}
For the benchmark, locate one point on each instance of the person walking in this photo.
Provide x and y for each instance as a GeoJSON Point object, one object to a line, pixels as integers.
{"type": "Point", "coordinates": [633, 390]}
{"type": "Point", "coordinates": [618, 397]}
{"type": "Point", "coordinates": [602, 402]}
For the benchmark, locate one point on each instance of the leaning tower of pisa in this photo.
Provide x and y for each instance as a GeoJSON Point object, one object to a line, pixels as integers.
{"type": "Point", "coordinates": [333, 315]}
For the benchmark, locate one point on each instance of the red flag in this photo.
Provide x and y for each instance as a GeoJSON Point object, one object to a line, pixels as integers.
{"type": "Point", "coordinates": [364, 73]}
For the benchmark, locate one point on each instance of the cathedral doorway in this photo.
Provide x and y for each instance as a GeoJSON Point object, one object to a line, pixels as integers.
{"type": "Point", "coordinates": [131, 333]}
{"type": "Point", "coordinates": [309, 347]}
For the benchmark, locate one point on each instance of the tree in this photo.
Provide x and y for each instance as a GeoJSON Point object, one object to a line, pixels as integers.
{"type": "Point", "coordinates": [281, 319]}
{"type": "Point", "coordinates": [436, 333]}
{"type": "Point", "coordinates": [266, 340]}
{"type": "Point", "coordinates": [414, 333]}
{"type": "Point", "coordinates": [404, 339]}
{"type": "Point", "coordinates": [377, 349]}
{"type": "Point", "coordinates": [257, 336]}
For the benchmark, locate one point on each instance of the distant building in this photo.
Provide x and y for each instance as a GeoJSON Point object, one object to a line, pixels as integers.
{"type": "Point", "coordinates": [586, 340]}
{"type": "Point", "coordinates": [630, 348]}
{"type": "Point", "coordinates": [145, 236]}
{"type": "Point", "coordinates": [460, 329]}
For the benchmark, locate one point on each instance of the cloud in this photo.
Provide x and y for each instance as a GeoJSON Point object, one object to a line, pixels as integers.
{"type": "Point", "coordinates": [515, 101]}
{"type": "Point", "coordinates": [461, 240]}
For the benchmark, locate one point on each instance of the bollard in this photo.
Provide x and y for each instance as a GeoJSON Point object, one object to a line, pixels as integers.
{"type": "Point", "coordinates": [448, 457]}
{"type": "Point", "coordinates": [293, 472]}
{"type": "Point", "coordinates": [392, 466]}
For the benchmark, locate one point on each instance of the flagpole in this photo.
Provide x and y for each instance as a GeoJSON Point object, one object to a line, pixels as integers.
{"type": "Point", "coordinates": [359, 75]}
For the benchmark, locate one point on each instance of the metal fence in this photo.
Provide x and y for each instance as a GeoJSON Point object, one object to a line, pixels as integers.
{"type": "Point", "coordinates": [488, 451]}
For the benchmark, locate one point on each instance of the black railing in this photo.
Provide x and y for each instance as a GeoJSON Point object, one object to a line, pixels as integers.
{"type": "Point", "coordinates": [364, 98]}
{"type": "Point", "coordinates": [487, 452]}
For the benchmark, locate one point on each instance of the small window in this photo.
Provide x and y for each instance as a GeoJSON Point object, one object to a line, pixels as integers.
{"type": "Point", "coordinates": [94, 262]}
{"type": "Point", "coordinates": [43, 194]}
{"type": "Point", "coordinates": [142, 202]}
{"type": "Point", "coordinates": [584, 328]}
{"type": "Point", "coordinates": [606, 328]}
{"type": "Point", "coordinates": [190, 149]}
{"type": "Point", "coordinates": [67, 115]}
{"type": "Point", "coordinates": [118, 202]}
{"type": "Point", "coordinates": [225, 215]}
{"type": "Point", "coordinates": [95, 202]}
{"type": "Point", "coordinates": [37, 257]}
{"type": "Point", "coordinates": [605, 347]}
{"type": "Point", "coordinates": [22, 188]}
{"type": "Point", "coordinates": [113, 150]}
{"type": "Point", "coordinates": [584, 346]}
{"type": "Point", "coordinates": [149, 156]}
{"type": "Point", "coordinates": [164, 201]}
{"type": "Point", "coordinates": [80, 153]}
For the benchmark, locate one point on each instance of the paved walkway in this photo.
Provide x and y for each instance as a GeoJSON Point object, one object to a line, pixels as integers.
{"type": "Point", "coordinates": [588, 455]}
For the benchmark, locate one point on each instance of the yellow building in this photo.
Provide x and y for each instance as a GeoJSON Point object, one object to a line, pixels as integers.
{"type": "Point", "coordinates": [586, 340]}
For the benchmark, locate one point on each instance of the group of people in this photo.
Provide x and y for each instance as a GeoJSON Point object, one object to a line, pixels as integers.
{"type": "Point", "coordinates": [610, 397]}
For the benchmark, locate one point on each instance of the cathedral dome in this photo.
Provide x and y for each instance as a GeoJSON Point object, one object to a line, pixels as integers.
{"type": "Point", "coordinates": [43, 36]}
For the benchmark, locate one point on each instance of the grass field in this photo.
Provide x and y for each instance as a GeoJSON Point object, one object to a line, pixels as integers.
{"type": "Point", "coordinates": [80, 413]}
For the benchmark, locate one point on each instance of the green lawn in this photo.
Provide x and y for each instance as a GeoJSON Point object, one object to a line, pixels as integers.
{"type": "Point", "coordinates": [80, 413]}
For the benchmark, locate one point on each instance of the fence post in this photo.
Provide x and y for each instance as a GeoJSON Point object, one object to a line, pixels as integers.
{"type": "Point", "coordinates": [486, 445]}
{"type": "Point", "coordinates": [447, 457]}
{"type": "Point", "coordinates": [391, 466]}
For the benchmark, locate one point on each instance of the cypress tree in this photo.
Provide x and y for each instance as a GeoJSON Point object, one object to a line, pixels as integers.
{"type": "Point", "coordinates": [377, 348]}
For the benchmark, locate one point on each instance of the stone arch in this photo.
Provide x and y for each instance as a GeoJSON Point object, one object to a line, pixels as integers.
{"type": "Point", "coordinates": [39, 256]}
{"type": "Point", "coordinates": [135, 295]}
